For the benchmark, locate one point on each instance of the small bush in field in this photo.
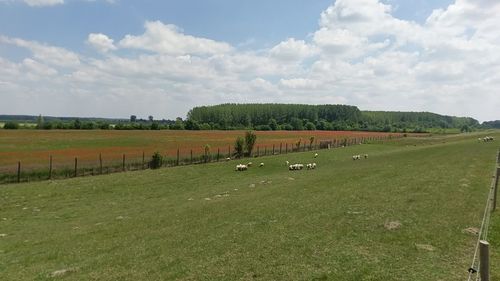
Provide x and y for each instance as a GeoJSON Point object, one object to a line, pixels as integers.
{"type": "Point", "coordinates": [156, 161]}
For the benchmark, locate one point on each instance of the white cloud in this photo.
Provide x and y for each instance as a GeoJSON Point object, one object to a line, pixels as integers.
{"type": "Point", "coordinates": [39, 3]}
{"type": "Point", "coordinates": [169, 39]}
{"type": "Point", "coordinates": [101, 42]}
{"type": "Point", "coordinates": [292, 50]}
{"type": "Point", "coordinates": [45, 53]}
{"type": "Point", "coordinates": [360, 54]}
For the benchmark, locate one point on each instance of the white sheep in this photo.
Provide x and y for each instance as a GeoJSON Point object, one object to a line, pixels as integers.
{"type": "Point", "coordinates": [366, 156]}
{"type": "Point", "coordinates": [249, 164]}
{"type": "Point", "coordinates": [228, 158]}
{"type": "Point", "coordinates": [241, 167]}
{"type": "Point", "coordinates": [287, 163]}
{"type": "Point", "coordinates": [313, 166]}
{"type": "Point", "coordinates": [261, 165]}
{"type": "Point", "coordinates": [315, 155]}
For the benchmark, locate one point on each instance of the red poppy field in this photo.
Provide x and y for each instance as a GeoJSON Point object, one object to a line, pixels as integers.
{"type": "Point", "coordinates": [33, 148]}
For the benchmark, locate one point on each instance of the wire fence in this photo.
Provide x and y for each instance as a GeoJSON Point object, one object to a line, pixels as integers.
{"type": "Point", "coordinates": [474, 269]}
{"type": "Point", "coordinates": [99, 165]}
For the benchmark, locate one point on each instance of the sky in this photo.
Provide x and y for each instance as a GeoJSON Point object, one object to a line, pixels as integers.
{"type": "Point", "coordinates": [116, 58]}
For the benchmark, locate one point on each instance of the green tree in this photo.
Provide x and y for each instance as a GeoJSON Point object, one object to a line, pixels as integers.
{"type": "Point", "coordinates": [273, 124]}
{"type": "Point", "coordinates": [239, 146]}
{"type": "Point", "coordinates": [156, 161]}
{"type": "Point", "coordinates": [11, 125]}
{"type": "Point", "coordinates": [310, 126]}
{"type": "Point", "coordinates": [297, 124]}
{"type": "Point", "coordinates": [133, 118]}
{"type": "Point", "coordinates": [39, 122]}
{"type": "Point", "coordinates": [250, 139]}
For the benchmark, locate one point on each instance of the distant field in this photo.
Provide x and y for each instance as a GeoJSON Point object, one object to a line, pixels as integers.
{"type": "Point", "coordinates": [34, 147]}
{"type": "Point", "coordinates": [401, 214]}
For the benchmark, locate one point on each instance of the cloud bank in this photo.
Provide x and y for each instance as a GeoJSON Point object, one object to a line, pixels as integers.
{"type": "Point", "coordinates": [360, 54]}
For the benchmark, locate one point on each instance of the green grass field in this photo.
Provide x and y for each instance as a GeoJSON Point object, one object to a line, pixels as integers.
{"type": "Point", "coordinates": [398, 215]}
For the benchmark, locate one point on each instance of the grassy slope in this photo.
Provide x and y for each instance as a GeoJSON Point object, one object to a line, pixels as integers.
{"type": "Point", "coordinates": [326, 224]}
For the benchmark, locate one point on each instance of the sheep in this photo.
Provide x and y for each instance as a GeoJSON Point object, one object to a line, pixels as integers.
{"type": "Point", "coordinates": [309, 166]}
{"type": "Point", "coordinates": [261, 165]}
{"type": "Point", "coordinates": [313, 166]}
{"type": "Point", "coordinates": [315, 155]}
{"type": "Point", "coordinates": [296, 167]}
{"type": "Point", "coordinates": [228, 159]}
{"type": "Point", "coordinates": [356, 157]}
{"type": "Point", "coordinates": [249, 164]}
{"type": "Point", "coordinates": [366, 156]}
{"type": "Point", "coordinates": [287, 163]}
{"type": "Point", "coordinates": [241, 167]}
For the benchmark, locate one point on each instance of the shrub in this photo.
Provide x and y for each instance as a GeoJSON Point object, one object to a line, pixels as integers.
{"type": "Point", "coordinates": [250, 139]}
{"type": "Point", "coordinates": [238, 147]}
{"type": "Point", "coordinates": [11, 125]}
{"type": "Point", "coordinates": [156, 161]}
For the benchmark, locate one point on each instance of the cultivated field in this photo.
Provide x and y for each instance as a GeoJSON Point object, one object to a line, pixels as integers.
{"type": "Point", "coordinates": [398, 215]}
{"type": "Point", "coordinates": [34, 147]}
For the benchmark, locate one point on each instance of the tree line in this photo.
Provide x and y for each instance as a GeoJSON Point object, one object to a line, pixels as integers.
{"type": "Point", "coordinates": [267, 117]}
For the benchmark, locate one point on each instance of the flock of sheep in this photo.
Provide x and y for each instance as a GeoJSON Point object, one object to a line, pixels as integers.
{"type": "Point", "coordinates": [486, 139]}
{"type": "Point", "coordinates": [293, 167]}
{"type": "Point", "coordinates": [358, 157]}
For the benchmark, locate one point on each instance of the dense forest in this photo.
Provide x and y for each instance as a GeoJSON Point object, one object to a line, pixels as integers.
{"type": "Point", "coordinates": [264, 117]}
{"type": "Point", "coordinates": [320, 117]}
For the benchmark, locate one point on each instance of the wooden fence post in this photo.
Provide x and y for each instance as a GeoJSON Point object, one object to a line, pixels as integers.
{"type": "Point", "coordinates": [265, 150]}
{"type": "Point", "coordinates": [218, 154]}
{"type": "Point", "coordinates": [273, 149]}
{"type": "Point", "coordinates": [19, 171]}
{"type": "Point", "coordinates": [143, 160]}
{"type": "Point", "coordinates": [281, 146]}
{"type": "Point", "coordinates": [191, 156]}
{"type": "Point", "coordinates": [100, 163]}
{"type": "Point", "coordinates": [177, 157]}
{"type": "Point", "coordinates": [484, 259]}
{"type": "Point", "coordinates": [286, 148]}
{"type": "Point", "coordinates": [123, 163]}
{"type": "Point", "coordinates": [76, 167]}
{"type": "Point", "coordinates": [50, 168]}
{"type": "Point", "coordinates": [229, 151]}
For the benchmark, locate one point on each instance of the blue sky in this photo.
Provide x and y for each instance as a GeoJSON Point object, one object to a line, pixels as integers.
{"type": "Point", "coordinates": [164, 57]}
{"type": "Point", "coordinates": [252, 23]}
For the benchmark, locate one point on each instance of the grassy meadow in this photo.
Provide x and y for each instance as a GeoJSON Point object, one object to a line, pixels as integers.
{"type": "Point", "coordinates": [398, 215]}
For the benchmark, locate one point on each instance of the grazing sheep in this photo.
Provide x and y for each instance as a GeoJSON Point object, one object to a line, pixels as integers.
{"type": "Point", "coordinates": [295, 167]}
{"type": "Point", "coordinates": [313, 166]}
{"type": "Point", "coordinates": [287, 163]}
{"type": "Point", "coordinates": [228, 159]}
{"type": "Point", "coordinates": [309, 166]}
{"type": "Point", "coordinates": [261, 165]}
{"type": "Point", "coordinates": [315, 155]}
{"type": "Point", "coordinates": [249, 164]}
{"type": "Point", "coordinates": [366, 156]}
{"type": "Point", "coordinates": [241, 167]}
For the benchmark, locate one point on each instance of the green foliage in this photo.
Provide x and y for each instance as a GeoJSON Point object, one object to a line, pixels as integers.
{"type": "Point", "coordinates": [155, 126]}
{"type": "Point", "coordinates": [179, 124]}
{"type": "Point", "coordinates": [192, 125]}
{"type": "Point", "coordinates": [310, 126]}
{"type": "Point", "coordinates": [133, 118]}
{"type": "Point", "coordinates": [39, 122]}
{"type": "Point", "coordinates": [297, 124]}
{"type": "Point", "coordinates": [273, 124]}
{"type": "Point", "coordinates": [239, 146]}
{"type": "Point", "coordinates": [77, 124]}
{"type": "Point", "coordinates": [11, 125]}
{"type": "Point", "coordinates": [156, 161]}
{"type": "Point", "coordinates": [250, 139]}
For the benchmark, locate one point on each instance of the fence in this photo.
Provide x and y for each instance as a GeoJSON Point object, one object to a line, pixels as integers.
{"type": "Point", "coordinates": [480, 266]}
{"type": "Point", "coordinates": [141, 161]}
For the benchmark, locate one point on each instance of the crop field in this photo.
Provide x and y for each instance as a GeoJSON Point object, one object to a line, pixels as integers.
{"type": "Point", "coordinates": [34, 147]}
{"type": "Point", "coordinates": [404, 213]}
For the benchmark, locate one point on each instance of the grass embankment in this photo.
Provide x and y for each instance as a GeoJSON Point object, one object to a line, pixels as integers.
{"type": "Point", "coordinates": [398, 215]}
